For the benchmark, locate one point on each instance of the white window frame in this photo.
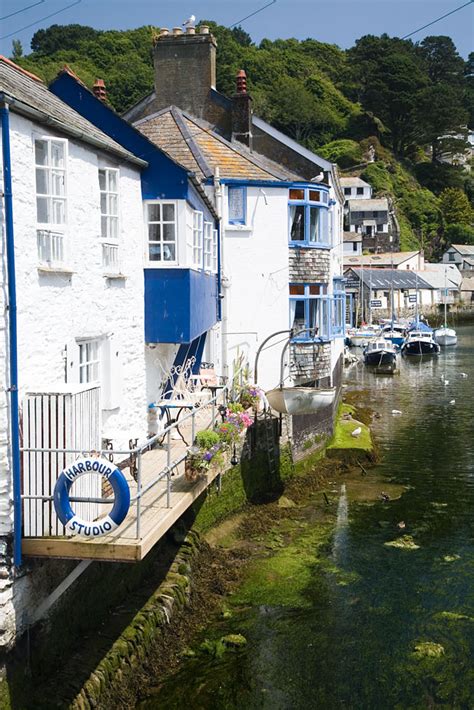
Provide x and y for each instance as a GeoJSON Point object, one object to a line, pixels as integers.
{"type": "Point", "coordinates": [215, 246]}
{"type": "Point", "coordinates": [90, 362]}
{"type": "Point", "coordinates": [50, 196]}
{"type": "Point", "coordinates": [109, 215]}
{"type": "Point", "coordinates": [208, 246]}
{"type": "Point", "coordinates": [160, 263]}
{"type": "Point", "coordinates": [51, 236]}
{"type": "Point", "coordinates": [235, 194]}
{"type": "Point", "coordinates": [198, 233]}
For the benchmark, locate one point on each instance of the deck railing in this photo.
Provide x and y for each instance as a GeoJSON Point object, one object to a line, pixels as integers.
{"type": "Point", "coordinates": [133, 458]}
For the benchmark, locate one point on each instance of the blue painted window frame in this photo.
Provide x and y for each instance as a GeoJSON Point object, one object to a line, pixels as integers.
{"type": "Point", "coordinates": [242, 219]}
{"type": "Point", "coordinates": [326, 305]}
{"type": "Point", "coordinates": [323, 218]}
{"type": "Point", "coordinates": [339, 308]}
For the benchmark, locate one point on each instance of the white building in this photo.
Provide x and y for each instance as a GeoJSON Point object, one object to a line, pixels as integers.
{"type": "Point", "coordinates": [356, 188]}
{"type": "Point", "coordinates": [462, 255]}
{"type": "Point", "coordinates": [352, 244]}
{"type": "Point", "coordinates": [77, 230]}
{"type": "Point", "coordinates": [404, 260]}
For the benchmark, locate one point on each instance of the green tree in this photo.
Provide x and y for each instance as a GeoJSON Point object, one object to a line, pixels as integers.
{"type": "Point", "coordinates": [60, 37]}
{"type": "Point", "coordinates": [441, 119]}
{"type": "Point", "coordinates": [459, 234]}
{"type": "Point", "coordinates": [17, 50]}
{"type": "Point", "coordinates": [442, 60]}
{"type": "Point", "coordinates": [455, 207]}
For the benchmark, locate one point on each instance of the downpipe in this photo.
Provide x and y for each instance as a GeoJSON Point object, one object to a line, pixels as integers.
{"type": "Point", "coordinates": [12, 332]}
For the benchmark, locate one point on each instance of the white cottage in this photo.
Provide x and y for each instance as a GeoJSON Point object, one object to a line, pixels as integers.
{"type": "Point", "coordinates": [72, 219]}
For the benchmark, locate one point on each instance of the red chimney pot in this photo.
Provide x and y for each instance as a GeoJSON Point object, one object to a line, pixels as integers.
{"type": "Point", "coordinates": [99, 89]}
{"type": "Point", "coordinates": [241, 79]}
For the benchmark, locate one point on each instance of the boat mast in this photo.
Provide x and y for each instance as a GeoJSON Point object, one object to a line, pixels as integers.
{"type": "Point", "coordinates": [445, 296]}
{"type": "Point", "coordinates": [391, 286]}
{"type": "Point", "coordinates": [416, 303]}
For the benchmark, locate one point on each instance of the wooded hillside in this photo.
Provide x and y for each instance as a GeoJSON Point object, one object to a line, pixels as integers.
{"type": "Point", "coordinates": [413, 102]}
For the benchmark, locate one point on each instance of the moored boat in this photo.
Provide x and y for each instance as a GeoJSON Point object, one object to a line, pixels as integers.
{"type": "Point", "coordinates": [445, 336]}
{"type": "Point", "coordinates": [300, 400]}
{"type": "Point", "coordinates": [359, 337]}
{"type": "Point", "coordinates": [380, 352]}
{"type": "Point", "coordinates": [420, 341]}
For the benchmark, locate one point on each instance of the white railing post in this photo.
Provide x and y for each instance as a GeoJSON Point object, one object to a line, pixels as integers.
{"type": "Point", "coordinates": [139, 492]}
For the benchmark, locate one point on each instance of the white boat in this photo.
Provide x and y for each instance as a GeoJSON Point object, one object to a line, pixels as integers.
{"type": "Point", "coordinates": [359, 337]}
{"type": "Point", "coordinates": [445, 336]}
{"type": "Point", "coordinates": [300, 400]}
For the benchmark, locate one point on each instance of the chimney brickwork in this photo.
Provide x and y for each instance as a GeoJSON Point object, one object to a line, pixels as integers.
{"type": "Point", "coordinates": [185, 70]}
{"type": "Point", "coordinates": [242, 111]}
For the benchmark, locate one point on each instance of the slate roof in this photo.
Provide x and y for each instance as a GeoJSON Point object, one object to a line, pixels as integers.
{"type": "Point", "coordinates": [379, 279]}
{"type": "Point", "coordinates": [30, 97]}
{"type": "Point", "coordinates": [352, 237]}
{"type": "Point", "coordinates": [353, 182]}
{"type": "Point", "coordinates": [464, 249]}
{"type": "Point", "coordinates": [193, 144]}
{"type": "Point", "coordinates": [372, 205]}
{"type": "Point", "coordinates": [380, 260]}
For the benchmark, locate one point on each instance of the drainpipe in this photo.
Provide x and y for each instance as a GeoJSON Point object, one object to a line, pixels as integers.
{"type": "Point", "coordinates": [223, 281]}
{"type": "Point", "coordinates": [12, 328]}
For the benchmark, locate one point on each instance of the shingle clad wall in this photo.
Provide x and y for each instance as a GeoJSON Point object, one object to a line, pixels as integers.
{"type": "Point", "coordinates": [310, 361]}
{"type": "Point", "coordinates": [309, 265]}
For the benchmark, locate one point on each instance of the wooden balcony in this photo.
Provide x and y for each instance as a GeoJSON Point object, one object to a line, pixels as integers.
{"type": "Point", "coordinates": [129, 543]}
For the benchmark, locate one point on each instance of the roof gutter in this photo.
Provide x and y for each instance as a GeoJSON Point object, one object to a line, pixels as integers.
{"type": "Point", "coordinates": [42, 117]}
{"type": "Point", "coordinates": [270, 183]}
{"type": "Point", "coordinates": [12, 331]}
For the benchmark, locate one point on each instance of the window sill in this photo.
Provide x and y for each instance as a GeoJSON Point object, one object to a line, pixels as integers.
{"type": "Point", "coordinates": [238, 228]}
{"type": "Point", "coordinates": [55, 270]}
{"type": "Point", "coordinates": [114, 276]}
{"type": "Point", "coordinates": [306, 245]}
{"type": "Point", "coordinates": [310, 341]}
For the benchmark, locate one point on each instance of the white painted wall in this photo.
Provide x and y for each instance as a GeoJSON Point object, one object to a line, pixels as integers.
{"type": "Point", "coordinates": [54, 309]}
{"type": "Point", "coordinates": [255, 261]}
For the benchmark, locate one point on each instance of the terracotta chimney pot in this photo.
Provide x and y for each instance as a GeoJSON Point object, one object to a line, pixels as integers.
{"type": "Point", "coordinates": [100, 90]}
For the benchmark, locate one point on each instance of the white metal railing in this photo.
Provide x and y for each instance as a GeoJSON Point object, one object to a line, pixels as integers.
{"type": "Point", "coordinates": [43, 495]}
{"type": "Point", "coordinates": [110, 258]}
{"type": "Point", "coordinates": [51, 247]}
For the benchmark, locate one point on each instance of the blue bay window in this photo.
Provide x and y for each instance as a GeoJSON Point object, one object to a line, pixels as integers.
{"type": "Point", "coordinates": [309, 217]}
{"type": "Point", "coordinates": [339, 308]}
{"type": "Point", "coordinates": [310, 308]}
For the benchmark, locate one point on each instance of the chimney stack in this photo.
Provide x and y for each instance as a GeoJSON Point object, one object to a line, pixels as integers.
{"type": "Point", "coordinates": [242, 111]}
{"type": "Point", "coordinates": [99, 90]}
{"type": "Point", "coordinates": [185, 69]}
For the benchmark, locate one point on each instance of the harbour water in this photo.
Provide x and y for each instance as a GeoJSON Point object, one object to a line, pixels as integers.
{"type": "Point", "coordinates": [399, 632]}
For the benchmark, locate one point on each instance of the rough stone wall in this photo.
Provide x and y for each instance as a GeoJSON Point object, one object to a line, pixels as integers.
{"type": "Point", "coordinates": [310, 362]}
{"type": "Point", "coordinates": [380, 242]}
{"type": "Point", "coordinates": [310, 265]}
{"type": "Point", "coordinates": [185, 71]}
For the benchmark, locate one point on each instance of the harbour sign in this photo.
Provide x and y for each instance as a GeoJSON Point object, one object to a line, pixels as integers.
{"type": "Point", "coordinates": [376, 303]}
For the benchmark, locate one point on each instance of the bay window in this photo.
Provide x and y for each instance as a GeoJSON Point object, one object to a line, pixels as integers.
{"type": "Point", "coordinates": [339, 308]}
{"type": "Point", "coordinates": [309, 217]}
{"type": "Point", "coordinates": [197, 239]}
{"type": "Point", "coordinates": [161, 227]}
{"type": "Point", "coordinates": [215, 247]}
{"type": "Point", "coordinates": [208, 246]}
{"type": "Point", "coordinates": [310, 309]}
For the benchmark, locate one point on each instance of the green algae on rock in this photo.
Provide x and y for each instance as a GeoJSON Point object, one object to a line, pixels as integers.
{"type": "Point", "coordinates": [428, 649]}
{"type": "Point", "coordinates": [405, 542]}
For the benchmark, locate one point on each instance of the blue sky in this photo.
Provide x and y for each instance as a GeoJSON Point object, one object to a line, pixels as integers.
{"type": "Point", "coordinates": [335, 21]}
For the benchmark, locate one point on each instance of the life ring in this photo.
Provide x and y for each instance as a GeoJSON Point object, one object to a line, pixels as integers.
{"type": "Point", "coordinates": [103, 526]}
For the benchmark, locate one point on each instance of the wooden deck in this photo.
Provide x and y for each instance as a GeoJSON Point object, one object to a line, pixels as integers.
{"type": "Point", "coordinates": [155, 518]}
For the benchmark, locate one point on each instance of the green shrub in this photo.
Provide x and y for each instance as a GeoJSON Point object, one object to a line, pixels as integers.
{"type": "Point", "coordinates": [206, 439]}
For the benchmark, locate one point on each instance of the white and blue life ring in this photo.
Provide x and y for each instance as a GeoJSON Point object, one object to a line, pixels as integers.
{"type": "Point", "coordinates": [105, 525]}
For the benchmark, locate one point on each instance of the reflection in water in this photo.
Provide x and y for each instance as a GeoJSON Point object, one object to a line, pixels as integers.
{"type": "Point", "coordinates": [365, 644]}
{"type": "Point", "coordinates": [339, 544]}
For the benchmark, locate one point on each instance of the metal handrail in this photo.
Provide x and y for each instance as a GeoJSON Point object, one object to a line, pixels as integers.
{"type": "Point", "coordinates": [138, 451]}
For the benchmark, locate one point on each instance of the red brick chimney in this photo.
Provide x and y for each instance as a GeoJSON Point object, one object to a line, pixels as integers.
{"type": "Point", "coordinates": [99, 90]}
{"type": "Point", "coordinates": [242, 111]}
